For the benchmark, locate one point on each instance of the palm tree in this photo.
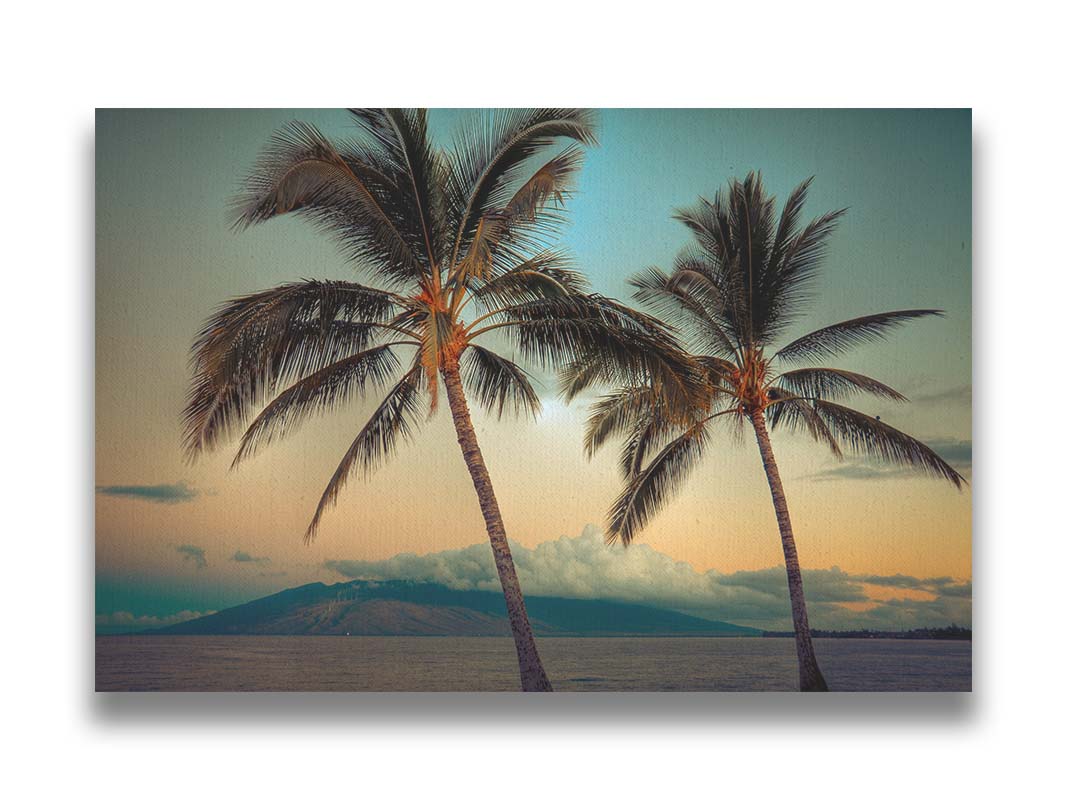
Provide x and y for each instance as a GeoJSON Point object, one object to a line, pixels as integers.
{"type": "Point", "coordinates": [454, 245]}
{"type": "Point", "coordinates": [731, 295]}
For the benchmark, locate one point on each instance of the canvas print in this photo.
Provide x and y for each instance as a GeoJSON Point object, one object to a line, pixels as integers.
{"type": "Point", "coordinates": [533, 399]}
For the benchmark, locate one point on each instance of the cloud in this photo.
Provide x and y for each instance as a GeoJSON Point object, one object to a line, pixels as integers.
{"type": "Point", "coordinates": [585, 567]}
{"type": "Point", "coordinates": [129, 620]}
{"type": "Point", "coordinates": [899, 581]}
{"type": "Point", "coordinates": [857, 472]}
{"type": "Point", "coordinates": [241, 557]}
{"type": "Point", "coordinates": [956, 395]}
{"type": "Point", "coordinates": [957, 590]}
{"type": "Point", "coordinates": [157, 493]}
{"type": "Point", "coordinates": [820, 586]}
{"type": "Point", "coordinates": [190, 552]}
{"type": "Point", "coordinates": [903, 614]}
{"type": "Point", "coordinates": [955, 451]}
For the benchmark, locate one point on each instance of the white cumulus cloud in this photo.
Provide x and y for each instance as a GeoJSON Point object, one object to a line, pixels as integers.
{"type": "Point", "coordinates": [585, 567]}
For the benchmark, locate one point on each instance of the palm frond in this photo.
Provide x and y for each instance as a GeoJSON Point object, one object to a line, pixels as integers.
{"type": "Point", "coordinates": [828, 383]}
{"type": "Point", "coordinates": [709, 222]}
{"type": "Point", "coordinates": [478, 259]}
{"type": "Point", "coordinates": [751, 217]}
{"type": "Point", "coordinates": [720, 371]}
{"type": "Point", "coordinates": [760, 266]}
{"type": "Point", "coordinates": [645, 436]}
{"type": "Point", "coordinates": [533, 216]}
{"type": "Point", "coordinates": [546, 274]}
{"type": "Point", "coordinates": [689, 299]}
{"type": "Point", "coordinates": [498, 384]}
{"type": "Point", "coordinates": [836, 339]}
{"type": "Point", "coordinates": [265, 318]}
{"type": "Point", "coordinates": [321, 391]}
{"type": "Point", "coordinates": [649, 489]}
{"type": "Point", "coordinates": [352, 196]}
{"type": "Point", "coordinates": [788, 411]}
{"type": "Point", "coordinates": [488, 162]}
{"type": "Point", "coordinates": [396, 417]}
{"type": "Point", "coordinates": [577, 376]}
{"type": "Point", "coordinates": [616, 413]}
{"type": "Point", "coordinates": [787, 276]}
{"type": "Point", "coordinates": [789, 220]}
{"type": "Point", "coordinates": [615, 344]}
{"type": "Point", "coordinates": [404, 135]}
{"type": "Point", "coordinates": [717, 255]}
{"type": "Point", "coordinates": [552, 181]}
{"type": "Point", "coordinates": [869, 436]}
{"type": "Point", "coordinates": [506, 235]}
{"type": "Point", "coordinates": [255, 343]}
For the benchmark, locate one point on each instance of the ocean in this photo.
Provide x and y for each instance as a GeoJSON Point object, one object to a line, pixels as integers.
{"type": "Point", "coordinates": [461, 664]}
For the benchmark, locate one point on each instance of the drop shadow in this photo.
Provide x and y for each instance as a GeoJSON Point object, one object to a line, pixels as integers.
{"type": "Point", "coordinates": [981, 420]}
{"type": "Point", "coordinates": [399, 710]}
{"type": "Point", "coordinates": [86, 499]}
{"type": "Point", "coordinates": [739, 711]}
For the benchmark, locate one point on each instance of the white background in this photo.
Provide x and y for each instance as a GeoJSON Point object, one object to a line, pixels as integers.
{"type": "Point", "coordinates": [59, 63]}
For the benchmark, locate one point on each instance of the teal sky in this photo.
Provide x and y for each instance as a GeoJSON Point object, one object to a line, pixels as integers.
{"type": "Point", "coordinates": [904, 176]}
{"type": "Point", "coordinates": [166, 258]}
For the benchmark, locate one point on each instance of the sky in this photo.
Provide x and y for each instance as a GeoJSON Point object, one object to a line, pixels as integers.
{"type": "Point", "coordinates": [175, 540]}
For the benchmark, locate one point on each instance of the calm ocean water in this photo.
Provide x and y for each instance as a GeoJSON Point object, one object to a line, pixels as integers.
{"type": "Point", "coordinates": [393, 663]}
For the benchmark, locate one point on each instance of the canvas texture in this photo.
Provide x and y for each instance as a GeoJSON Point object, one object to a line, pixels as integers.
{"type": "Point", "coordinates": [533, 400]}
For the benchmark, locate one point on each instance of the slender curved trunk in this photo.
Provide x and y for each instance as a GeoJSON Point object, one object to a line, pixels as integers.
{"type": "Point", "coordinates": [811, 679]}
{"type": "Point", "coordinates": [531, 672]}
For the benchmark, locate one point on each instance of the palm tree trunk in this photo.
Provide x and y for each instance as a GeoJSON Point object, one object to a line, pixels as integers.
{"type": "Point", "coordinates": [531, 672]}
{"type": "Point", "coordinates": [811, 679]}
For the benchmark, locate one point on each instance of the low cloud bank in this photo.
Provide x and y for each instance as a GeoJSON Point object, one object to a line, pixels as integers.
{"type": "Point", "coordinates": [126, 620]}
{"type": "Point", "coordinates": [241, 557]}
{"type": "Point", "coordinates": [957, 395]}
{"type": "Point", "coordinates": [156, 493]}
{"type": "Point", "coordinates": [584, 567]}
{"type": "Point", "coordinates": [190, 552]}
{"type": "Point", "coordinates": [957, 452]}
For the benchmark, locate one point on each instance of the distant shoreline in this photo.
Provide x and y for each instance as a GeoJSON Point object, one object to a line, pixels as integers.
{"type": "Point", "coordinates": [962, 634]}
{"type": "Point", "coordinates": [157, 632]}
{"type": "Point", "coordinates": [951, 633]}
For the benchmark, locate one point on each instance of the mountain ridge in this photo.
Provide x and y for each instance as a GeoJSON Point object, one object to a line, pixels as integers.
{"type": "Point", "coordinates": [417, 608]}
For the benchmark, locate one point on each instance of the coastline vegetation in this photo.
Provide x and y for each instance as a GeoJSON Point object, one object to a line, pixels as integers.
{"type": "Point", "coordinates": [950, 633]}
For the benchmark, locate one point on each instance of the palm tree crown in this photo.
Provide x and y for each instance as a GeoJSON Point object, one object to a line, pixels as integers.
{"type": "Point", "coordinates": [731, 295]}
{"type": "Point", "coordinates": [454, 244]}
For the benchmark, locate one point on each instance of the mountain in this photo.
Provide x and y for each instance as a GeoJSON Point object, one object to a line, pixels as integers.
{"type": "Point", "coordinates": [409, 608]}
